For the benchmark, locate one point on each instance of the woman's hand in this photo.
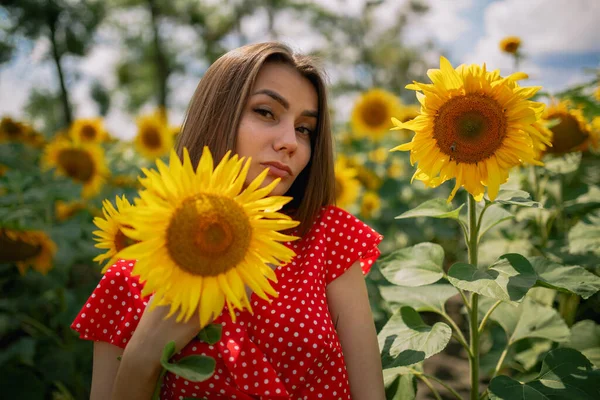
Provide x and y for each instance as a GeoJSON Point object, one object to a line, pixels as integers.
{"type": "Point", "coordinates": [140, 364]}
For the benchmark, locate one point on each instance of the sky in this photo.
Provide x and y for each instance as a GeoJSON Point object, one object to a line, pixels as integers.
{"type": "Point", "coordinates": [560, 43]}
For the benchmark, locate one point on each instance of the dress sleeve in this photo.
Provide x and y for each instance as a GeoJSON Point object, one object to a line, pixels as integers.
{"type": "Point", "coordinates": [349, 240]}
{"type": "Point", "coordinates": [112, 312]}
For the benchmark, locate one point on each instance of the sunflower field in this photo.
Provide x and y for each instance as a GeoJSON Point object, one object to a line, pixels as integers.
{"type": "Point", "coordinates": [485, 187]}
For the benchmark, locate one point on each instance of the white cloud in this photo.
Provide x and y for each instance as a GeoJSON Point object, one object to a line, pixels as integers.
{"type": "Point", "coordinates": [444, 22]}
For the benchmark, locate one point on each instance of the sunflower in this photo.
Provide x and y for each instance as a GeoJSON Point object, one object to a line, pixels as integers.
{"type": "Point", "coordinates": [65, 210]}
{"type": "Point", "coordinates": [202, 237]}
{"type": "Point", "coordinates": [88, 130]}
{"type": "Point", "coordinates": [111, 236]}
{"type": "Point", "coordinates": [396, 169]}
{"type": "Point", "coordinates": [347, 187]}
{"type": "Point", "coordinates": [13, 131]}
{"type": "Point", "coordinates": [571, 132]}
{"type": "Point", "coordinates": [154, 138]}
{"type": "Point", "coordinates": [371, 203]}
{"type": "Point", "coordinates": [84, 163]}
{"type": "Point", "coordinates": [474, 126]}
{"type": "Point", "coordinates": [378, 155]}
{"type": "Point", "coordinates": [27, 248]}
{"type": "Point", "coordinates": [510, 44]}
{"type": "Point", "coordinates": [372, 114]}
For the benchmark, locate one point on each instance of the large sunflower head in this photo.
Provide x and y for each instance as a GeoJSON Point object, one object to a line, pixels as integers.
{"type": "Point", "coordinates": [510, 44]}
{"type": "Point", "coordinates": [474, 126]}
{"type": "Point", "coordinates": [88, 130]}
{"type": "Point", "coordinates": [570, 130]}
{"type": "Point", "coordinates": [347, 186]}
{"type": "Point", "coordinates": [84, 163]}
{"type": "Point", "coordinates": [111, 236]}
{"type": "Point", "coordinates": [27, 249]}
{"type": "Point", "coordinates": [202, 235]}
{"type": "Point", "coordinates": [154, 137]}
{"type": "Point", "coordinates": [372, 113]}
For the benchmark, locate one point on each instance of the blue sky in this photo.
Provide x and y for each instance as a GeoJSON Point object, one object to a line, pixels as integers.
{"type": "Point", "coordinates": [560, 40]}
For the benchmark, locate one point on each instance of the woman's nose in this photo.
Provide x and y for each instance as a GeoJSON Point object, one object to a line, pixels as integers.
{"type": "Point", "coordinates": [286, 138]}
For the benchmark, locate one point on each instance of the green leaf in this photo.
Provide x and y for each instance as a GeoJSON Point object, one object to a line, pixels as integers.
{"type": "Point", "coordinates": [585, 337]}
{"type": "Point", "coordinates": [565, 278]}
{"type": "Point", "coordinates": [517, 198]}
{"type": "Point", "coordinates": [435, 208]}
{"type": "Point", "coordinates": [211, 333]}
{"type": "Point", "coordinates": [566, 374]}
{"type": "Point", "coordinates": [585, 235]}
{"type": "Point", "coordinates": [507, 279]}
{"type": "Point", "coordinates": [528, 320]}
{"type": "Point", "coordinates": [414, 266]}
{"type": "Point", "coordinates": [406, 339]}
{"type": "Point", "coordinates": [531, 356]}
{"type": "Point", "coordinates": [542, 295]}
{"type": "Point", "coordinates": [424, 298]}
{"type": "Point", "coordinates": [400, 383]}
{"type": "Point", "coordinates": [168, 352]}
{"type": "Point", "coordinates": [493, 216]}
{"type": "Point", "coordinates": [193, 368]}
{"type": "Point", "coordinates": [563, 164]}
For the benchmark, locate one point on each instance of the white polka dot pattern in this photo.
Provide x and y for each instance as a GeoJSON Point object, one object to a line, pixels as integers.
{"type": "Point", "coordinates": [288, 349]}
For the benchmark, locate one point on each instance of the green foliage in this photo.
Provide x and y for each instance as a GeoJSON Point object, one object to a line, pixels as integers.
{"type": "Point", "coordinates": [565, 374]}
{"type": "Point", "coordinates": [414, 266]}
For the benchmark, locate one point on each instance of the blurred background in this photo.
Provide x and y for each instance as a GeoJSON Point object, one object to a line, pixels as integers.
{"type": "Point", "coordinates": [92, 91]}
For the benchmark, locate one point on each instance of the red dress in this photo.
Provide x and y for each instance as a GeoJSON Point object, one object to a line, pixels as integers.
{"type": "Point", "coordinates": [288, 349]}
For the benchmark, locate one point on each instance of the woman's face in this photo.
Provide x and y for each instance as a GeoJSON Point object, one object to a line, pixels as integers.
{"type": "Point", "coordinates": [277, 124]}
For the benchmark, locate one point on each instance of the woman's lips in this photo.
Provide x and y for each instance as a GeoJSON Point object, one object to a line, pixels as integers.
{"type": "Point", "coordinates": [277, 170]}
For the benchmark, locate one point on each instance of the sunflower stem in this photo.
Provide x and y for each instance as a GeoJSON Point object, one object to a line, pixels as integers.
{"type": "Point", "coordinates": [473, 312]}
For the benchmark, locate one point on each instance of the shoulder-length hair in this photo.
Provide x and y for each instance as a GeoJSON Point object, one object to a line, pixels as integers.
{"type": "Point", "coordinates": [216, 108]}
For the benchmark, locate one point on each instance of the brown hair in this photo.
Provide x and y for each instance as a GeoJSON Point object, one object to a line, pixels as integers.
{"type": "Point", "coordinates": [215, 111]}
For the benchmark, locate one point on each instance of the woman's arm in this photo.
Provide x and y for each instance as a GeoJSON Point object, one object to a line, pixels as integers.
{"type": "Point", "coordinates": [351, 313]}
{"type": "Point", "coordinates": [136, 374]}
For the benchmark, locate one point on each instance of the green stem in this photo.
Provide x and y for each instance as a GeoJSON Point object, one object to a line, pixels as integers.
{"type": "Point", "coordinates": [430, 386]}
{"type": "Point", "coordinates": [487, 315]}
{"type": "Point", "coordinates": [500, 361]}
{"type": "Point", "coordinates": [460, 338]}
{"type": "Point", "coordinates": [157, 388]}
{"type": "Point", "coordinates": [465, 300]}
{"type": "Point", "coordinates": [473, 312]}
{"type": "Point", "coordinates": [478, 226]}
{"type": "Point", "coordinates": [449, 388]}
{"type": "Point", "coordinates": [567, 307]}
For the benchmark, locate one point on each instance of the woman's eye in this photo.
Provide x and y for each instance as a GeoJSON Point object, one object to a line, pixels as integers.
{"type": "Point", "coordinates": [263, 112]}
{"type": "Point", "coordinates": [305, 131]}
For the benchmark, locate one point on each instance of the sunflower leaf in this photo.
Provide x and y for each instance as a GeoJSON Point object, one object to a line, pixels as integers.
{"type": "Point", "coordinates": [527, 320]}
{"type": "Point", "coordinates": [585, 235]}
{"type": "Point", "coordinates": [492, 217]}
{"type": "Point", "coordinates": [430, 298]}
{"type": "Point", "coordinates": [516, 197]}
{"type": "Point", "coordinates": [585, 337]}
{"type": "Point", "coordinates": [193, 368]}
{"type": "Point", "coordinates": [508, 279]}
{"type": "Point", "coordinates": [211, 333]}
{"type": "Point", "coordinates": [565, 278]}
{"type": "Point", "coordinates": [565, 374]}
{"type": "Point", "coordinates": [414, 266]}
{"type": "Point", "coordinates": [406, 339]}
{"type": "Point", "coordinates": [435, 208]}
{"type": "Point", "coordinates": [168, 352]}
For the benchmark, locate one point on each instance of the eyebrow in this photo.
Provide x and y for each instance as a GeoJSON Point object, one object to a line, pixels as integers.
{"type": "Point", "coordinates": [278, 98]}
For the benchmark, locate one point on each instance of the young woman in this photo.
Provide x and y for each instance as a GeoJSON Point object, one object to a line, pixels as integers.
{"type": "Point", "coordinates": [317, 340]}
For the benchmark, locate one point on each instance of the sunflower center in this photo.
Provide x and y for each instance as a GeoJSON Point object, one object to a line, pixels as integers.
{"type": "Point", "coordinates": [511, 47]}
{"type": "Point", "coordinates": [374, 113]}
{"type": "Point", "coordinates": [16, 250]}
{"type": "Point", "coordinates": [122, 241]}
{"type": "Point", "coordinates": [77, 164]}
{"type": "Point", "coordinates": [209, 235]}
{"type": "Point", "coordinates": [567, 133]}
{"type": "Point", "coordinates": [12, 129]}
{"type": "Point", "coordinates": [470, 128]}
{"type": "Point", "coordinates": [88, 132]}
{"type": "Point", "coordinates": [151, 138]}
